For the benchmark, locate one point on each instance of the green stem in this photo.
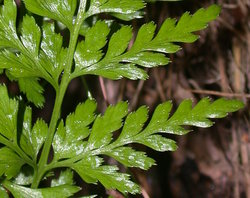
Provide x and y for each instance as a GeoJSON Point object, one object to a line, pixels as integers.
{"type": "Point", "coordinates": [59, 96]}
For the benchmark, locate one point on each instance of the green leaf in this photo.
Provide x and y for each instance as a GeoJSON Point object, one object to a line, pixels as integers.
{"type": "Point", "coordinates": [8, 115]}
{"type": "Point", "coordinates": [146, 59]}
{"type": "Point", "coordinates": [25, 176]}
{"type": "Point", "coordinates": [54, 9]}
{"type": "Point", "coordinates": [221, 107]}
{"type": "Point", "coordinates": [133, 124]}
{"type": "Point", "coordinates": [38, 135]}
{"type": "Point", "coordinates": [52, 55]}
{"type": "Point", "coordinates": [32, 139]}
{"type": "Point", "coordinates": [23, 66]}
{"type": "Point", "coordinates": [10, 163]}
{"type": "Point", "coordinates": [31, 35]}
{"type": "Point", "coordinates": [66, 177]}
{"type": "Point", "coordinates": [88, 54]}
{"type": "Point", "coordinates": [25, 135]}
{"type": "Point", "coordinates": [89, 163]}
{"type": "Point", "coordinates": [8, 35]}
{"type": "Point", "coordinates": [128, 17]}
{"type": "Point", "coordinates": [131, 158]}
{"type": "Point", "coordinates": [105, 125]}
{"type": "Point", "coordinates": [78, 121]}
{"type": "Point", "coordinates": [68, 140]}
{"type": "Point", "coordinates": [147, 49]}
{"type": "Point", "coordinates": [33, 90]}
{"type": "Point", "coordinates": [3, 193]}
{"type": "Point", "coordinates": [63, 191]}
{"type": "Point", "coordinates": [198, 116]}
{"type": "Point", "coordinates": [64, 145]}
{"type": "Point", "coordinates": [158, 143]}
{"type": "Point", "coordinates": [122, 7]}
{"type": "Point", "coordinates": [182, 31]}
{"type": "Point", "coordinates": [91, 171]}
{"type": "Point", "coordinates": [158, 122]}
{"type": "Point", "coordinates": [111, 179]}
{"type": "Point", "coordinates": [119, 42]}
{"type": "Point", "coordinates": [152, 1]}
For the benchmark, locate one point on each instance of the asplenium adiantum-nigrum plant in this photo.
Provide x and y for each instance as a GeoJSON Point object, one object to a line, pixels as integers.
{"type": "Point", "coordinates": [30, 52]}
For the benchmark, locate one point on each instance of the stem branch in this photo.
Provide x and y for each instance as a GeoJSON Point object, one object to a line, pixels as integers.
{"type": "Point", "coordinates": [60, 95]}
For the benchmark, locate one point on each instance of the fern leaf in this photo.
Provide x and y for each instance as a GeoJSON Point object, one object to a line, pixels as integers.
{"type": "Point", "coordinates": [33, 90]}
{"type": "Point", "coordinates": [68, 140]}
{"type": "Point", "coordinates": [29, 138]}
{"type": "Point", "coordinates": [65, 177]}
{"type": "Point", "coordinates": [91, 171]}
{"type": "Point", "coordinates": [10, 163]}
{"type": "Point", "coordinates": [8, 115]}
{"type": "Point", "coordinates": [100, 141]}
{"type": "Point", "coordinates": [62, 11]}
{"type": "Point", "coordinates": [31, 35]}
{"type": "Point", "coordinates": [52, 53]}
{"type": "Point", "coordinates": [124, 9]}
{"type": "Point", "coordinates": [148, 49]}
{"type": "Point", "coordinates": [62, 191]}
{"type": "Point", "coordinates": [8, 35]}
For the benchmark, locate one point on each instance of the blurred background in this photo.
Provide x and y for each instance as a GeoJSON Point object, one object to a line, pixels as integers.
{"type": "Point", "coordinates": [212, 162]}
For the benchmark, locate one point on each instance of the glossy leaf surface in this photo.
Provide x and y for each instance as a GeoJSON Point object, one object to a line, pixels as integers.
{"type": "Point", "coordinates": [148, 49]}
{"type": "Point", "coordinates": [62, 11]}
{"type": "Point", "coordinates": [86, 151]}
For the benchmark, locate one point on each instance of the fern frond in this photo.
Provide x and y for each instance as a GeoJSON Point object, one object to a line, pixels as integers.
{"type": "Point", "coordinates": [84, 156]}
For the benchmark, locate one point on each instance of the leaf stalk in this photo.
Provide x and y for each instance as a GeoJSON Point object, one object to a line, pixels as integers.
{"type": "Point", "coordinates": [60, 95]}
